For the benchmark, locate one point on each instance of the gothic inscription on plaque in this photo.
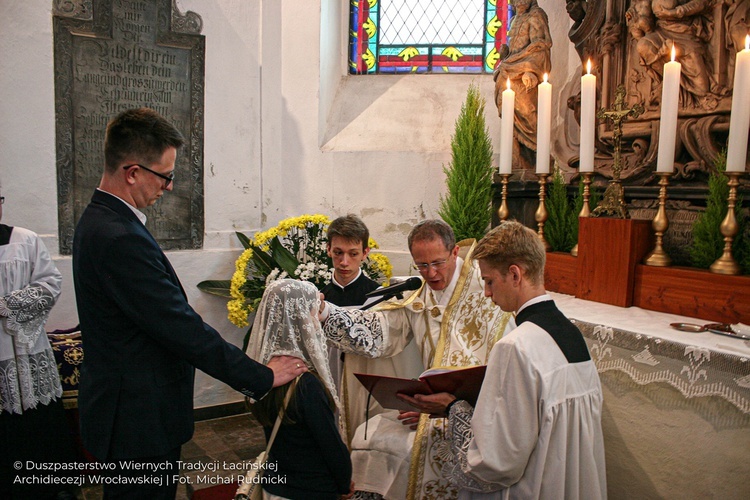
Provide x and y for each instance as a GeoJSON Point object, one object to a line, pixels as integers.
{"type": "Point", "coordinates": [116, 55]}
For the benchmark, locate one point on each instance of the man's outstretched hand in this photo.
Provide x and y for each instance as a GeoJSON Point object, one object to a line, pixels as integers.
{"type": "Point", "coordinates": [285, 369]}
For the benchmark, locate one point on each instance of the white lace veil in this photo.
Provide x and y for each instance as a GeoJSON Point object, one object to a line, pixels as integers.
{"type": "Point", "coordinates": [286, 324]}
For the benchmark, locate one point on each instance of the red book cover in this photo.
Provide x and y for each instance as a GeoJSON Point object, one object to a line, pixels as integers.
{"type": "Point", "coordinates": [464, 383]}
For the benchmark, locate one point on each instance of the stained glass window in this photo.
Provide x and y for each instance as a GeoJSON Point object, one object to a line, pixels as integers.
{"type": "Point", "coordinates": [426, 36]}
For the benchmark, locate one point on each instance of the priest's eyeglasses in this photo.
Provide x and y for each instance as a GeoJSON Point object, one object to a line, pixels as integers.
{"type": "Point", "coordinates": [423, 268]}
{"type": "Point", "coordinates": [168, 178]}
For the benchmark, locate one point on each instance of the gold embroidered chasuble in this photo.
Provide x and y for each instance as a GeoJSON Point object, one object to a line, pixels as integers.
{"type": "Point", "coordinates": [458, 334]}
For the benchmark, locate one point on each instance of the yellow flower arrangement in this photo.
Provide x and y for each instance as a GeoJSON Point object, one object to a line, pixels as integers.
{"type": "Point", "coordinates": [295, 248]}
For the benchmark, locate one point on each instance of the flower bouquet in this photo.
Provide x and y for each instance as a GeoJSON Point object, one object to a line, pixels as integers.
{"type": "Point", "coordinates": [295, 248]}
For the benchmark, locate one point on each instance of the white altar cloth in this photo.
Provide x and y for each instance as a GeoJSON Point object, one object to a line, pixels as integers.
{"type": "Point", "coordinates": [676, 416]}
{"type": "Point", "coordinates": [653, 323]}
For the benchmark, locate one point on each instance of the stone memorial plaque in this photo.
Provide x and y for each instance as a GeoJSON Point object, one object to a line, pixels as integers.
{"type": "Point", "coordinates": [113, 55]}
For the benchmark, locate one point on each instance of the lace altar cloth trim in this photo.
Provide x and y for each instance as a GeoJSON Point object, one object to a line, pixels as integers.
{"type": "Point", "coordinates": [692, 370]}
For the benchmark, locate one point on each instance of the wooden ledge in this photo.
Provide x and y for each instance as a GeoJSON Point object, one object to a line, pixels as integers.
{"type": "Point", "coordinates": [685, 291]}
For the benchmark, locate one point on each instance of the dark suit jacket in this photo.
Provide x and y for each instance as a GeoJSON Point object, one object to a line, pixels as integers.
{"type": "Point", "coordinates": [141, 340]}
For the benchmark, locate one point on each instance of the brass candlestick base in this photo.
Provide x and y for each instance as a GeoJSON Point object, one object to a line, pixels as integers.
{"type": "Point", "coordinates": [502, 212]}
{"type": "Point", "coordinates": [541, 212]}
{"type": "Point", "coordinates": [658, 257]}
{"type": "Point", "coordinates": [729, 228]}
{"type": "Point", "coordinates": [585, 210]}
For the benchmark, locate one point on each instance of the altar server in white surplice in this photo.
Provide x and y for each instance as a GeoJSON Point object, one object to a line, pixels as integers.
{"type": "Point", "coordinates": [446, 323]}
{"type": "Point", "coordinates": [33, 425]}
{"type": "Point", "coordinates": [536, 429]}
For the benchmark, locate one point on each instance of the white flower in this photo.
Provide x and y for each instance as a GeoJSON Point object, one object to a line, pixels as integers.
{"type": "Point", "coordinates": [272, 276]}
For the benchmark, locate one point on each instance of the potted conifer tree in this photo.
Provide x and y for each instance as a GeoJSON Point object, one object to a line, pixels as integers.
{"type": "Point", "coordinates": [467, 205]}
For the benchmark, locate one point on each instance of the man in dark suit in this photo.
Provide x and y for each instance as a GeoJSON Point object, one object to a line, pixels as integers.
{"type": "Point", "coordinates": [141, 338]}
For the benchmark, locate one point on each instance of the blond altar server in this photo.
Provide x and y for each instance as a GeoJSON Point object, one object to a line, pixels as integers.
{"type": "Point", "coordinates": [448, 323]}
{"type": "Point", "coordinates": [535, 431]}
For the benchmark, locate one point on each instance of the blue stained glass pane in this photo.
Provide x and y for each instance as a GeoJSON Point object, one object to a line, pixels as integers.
{"type": "Point", "coordinates": [394, 51]}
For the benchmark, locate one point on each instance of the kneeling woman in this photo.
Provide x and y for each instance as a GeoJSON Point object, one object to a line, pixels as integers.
{"type": "Point", "coordinates": [308, 459]}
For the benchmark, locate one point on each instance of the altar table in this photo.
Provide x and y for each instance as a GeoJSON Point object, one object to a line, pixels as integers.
{"type": "Point", "coordinates": [676, 415]}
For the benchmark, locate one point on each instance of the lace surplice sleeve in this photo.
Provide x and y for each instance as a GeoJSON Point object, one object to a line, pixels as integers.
{"type": "Point", "coordinates": [459, 427]}
{"type": "Point", "coordinates": [355, 331]}
{"type": "Point", "coordinates": [26, 309]}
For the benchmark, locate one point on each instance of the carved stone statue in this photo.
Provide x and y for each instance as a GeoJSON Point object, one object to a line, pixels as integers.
{"type": "Point", "coordinates": [524, 60]}
{"type": "Point", "coordinates": [737, 22]}
{"type": "Point", "coordinates": [657, 25]}
{"type": "Point", "coordinates": [576, 10]}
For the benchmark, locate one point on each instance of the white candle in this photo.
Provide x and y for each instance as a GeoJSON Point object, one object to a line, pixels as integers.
{"type": "Point", "coordinates": [670, 95]}
{"type": "Point", "coordinates": [506, 130]}
{"type": "Point", "coordinates": [739, 122]}
{"type": "Point", "coordinates": [543, 124]}
{"type": "Point", "coordinates": [588, 115]}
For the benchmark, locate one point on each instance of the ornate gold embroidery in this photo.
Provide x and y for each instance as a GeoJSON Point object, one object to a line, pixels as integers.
{"type": "Point", "coordinates": [74, 355]}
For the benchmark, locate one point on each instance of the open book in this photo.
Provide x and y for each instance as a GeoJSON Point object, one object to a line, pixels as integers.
{"type": "Point", "coordinates": [464, 383]}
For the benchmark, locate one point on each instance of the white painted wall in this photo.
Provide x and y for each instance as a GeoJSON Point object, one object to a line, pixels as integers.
{"type": "Point", "coordinates": [287, 132]}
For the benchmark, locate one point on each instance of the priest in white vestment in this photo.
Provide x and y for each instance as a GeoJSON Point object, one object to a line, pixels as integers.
{"type": "Point", "coordinates": [535, 431]}
{"type": "Point", "coordinates": [447, 323]}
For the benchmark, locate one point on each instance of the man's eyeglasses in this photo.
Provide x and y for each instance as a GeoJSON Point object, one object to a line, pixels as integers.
{"type": "Point", "coordinates": [437, 265]}
{"type": "Point", "coordinates": [168, 178]}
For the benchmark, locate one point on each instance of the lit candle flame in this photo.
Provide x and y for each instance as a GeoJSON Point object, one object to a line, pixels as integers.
{"type": "Point", "coordinates": [545, 78]}
{"type": "Point", "coordinates": [508, 83]}
{"type": "Point", "coordinates": [747, 42]}
{"type": "Point", "coordinates": [674, 53]}
{"type": "Point", "coordinates": [588, 67]}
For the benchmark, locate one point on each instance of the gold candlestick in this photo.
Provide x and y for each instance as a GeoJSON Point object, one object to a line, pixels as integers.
{"type": "Point", "coordinates": [502, 212]}
{"type": "Point", "coordinates": [658, 257]}
{"type": "Point", "coordinates": [541, 211]}
{"type": "Point", "coordinates": [585, 210]}
{"type": "Point", "coordinates": [729, 228]}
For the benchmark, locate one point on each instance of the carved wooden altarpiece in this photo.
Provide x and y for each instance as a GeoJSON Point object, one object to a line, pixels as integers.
{"type": "Point", "coordinates": [628, 45]}
{"type": "Point", "coordinates": [629, 41]}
